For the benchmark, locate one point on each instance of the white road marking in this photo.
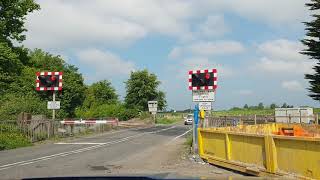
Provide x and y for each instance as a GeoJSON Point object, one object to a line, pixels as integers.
{"type": "Point", "coordinates": [78, 143]}
{"type": "Point", "coordinates": [179, 136]}
{"type": "Point", "coordinates": [31, 161]}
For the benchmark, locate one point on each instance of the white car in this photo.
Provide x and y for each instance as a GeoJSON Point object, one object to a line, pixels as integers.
{"type": "Point", "coordinates": [188, 119]}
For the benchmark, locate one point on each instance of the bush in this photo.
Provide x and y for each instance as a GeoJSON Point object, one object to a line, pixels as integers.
{"type": "Point", "coordinates": [13, 140]}
{"type": "Point", "coordinates": [12, 104]}
{"type": "Point", "coordinates": [145, 115]}
{"type": "Point", "coordinates": [166, 121]}
{"type": "Point", "coordinates": [108, 110]}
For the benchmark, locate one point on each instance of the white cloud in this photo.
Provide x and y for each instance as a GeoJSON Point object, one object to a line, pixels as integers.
{"type": "Point", "coordinates": [244, 92]}
{"type": "Point", "coordinates": [77, 23]}
{"type": "Point", "coordinates": [208, 48]}
{"type": "Point", "coordinates": [61, 24]}
{"type": "Point", "coordinates": [282, 49]}
{"type": "Point", "coordinates": [283, 57]}
{"type": "Point", "coordinates": [283, 66]}
{"type": "Point", "coordinates": [214, 26]}
{"type": "Point", "coordinates": [292, 85]}
{"type": "Point", "coordinates": [216, 48]}
{"type": "Point", "coordinates": [105, 63]}
{"type": "Point", "coordinates": [271, 12]}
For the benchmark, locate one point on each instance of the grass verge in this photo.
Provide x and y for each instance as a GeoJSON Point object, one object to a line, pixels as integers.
{"type": "Point", "coordinates": [13, 140]}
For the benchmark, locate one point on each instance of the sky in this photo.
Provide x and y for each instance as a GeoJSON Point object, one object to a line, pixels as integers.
{"type": "Point", "coordinates": [253, 44]}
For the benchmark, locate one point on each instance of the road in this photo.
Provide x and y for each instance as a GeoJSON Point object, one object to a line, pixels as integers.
{"type": "Point", "coordinates": [111, 153]}
{"type": "Point", "coordinates": [154, 151]}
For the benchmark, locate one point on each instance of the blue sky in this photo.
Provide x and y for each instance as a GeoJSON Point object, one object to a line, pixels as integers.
{"type": "Point", "coordinates": [254, 44]}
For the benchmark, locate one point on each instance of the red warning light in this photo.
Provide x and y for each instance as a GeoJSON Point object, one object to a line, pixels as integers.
{"type": "Point", "coordinates": [207, 76]}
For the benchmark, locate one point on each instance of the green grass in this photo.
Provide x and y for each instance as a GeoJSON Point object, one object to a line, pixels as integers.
{"type": "Point", "coordinates": [165, 121]}
{"type": "Point", "coordinates": [244, 112]}
{"type": "Point", "coordinates": [13, 140]}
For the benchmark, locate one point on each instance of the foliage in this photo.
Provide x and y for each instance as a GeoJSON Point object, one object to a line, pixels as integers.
{"type": "Point", "coordinates": [244, 112]}
{"type": "Point", "coordinates": [12, 104]}
{"type": "Point", "coordinates": [166, 121]}
{"type": "Point", "coordinates": [260, 106]}
{"type": "Point", "coordinates": [145, 115]}
{"type": "Point", "coordinates": [99, 93]}
{"type": "Point", "coordinates": [312, 42]}
{"type": "Point", "coordinates": [13, 140]}
{"type": "Point", "coordinates": [10, 67]}
{"type": "Point", "coordinates": [273, 106]}
{"type": "Point", "coordinates": [71, 96]}
{"type": "Point", "coordinates": [13, 13]}
{"type": "Point", "coordinates": [107, 110]}
{"type": "Point", "coordinates": [142, 87]}
{"type": "Point", "coordinates": [246, 106]}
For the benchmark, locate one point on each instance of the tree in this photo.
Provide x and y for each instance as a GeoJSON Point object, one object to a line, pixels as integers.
{"type": "Point", "coordinates": [72, 95]}
{"type": "Point", "coordinates": [312, 42]}
{"type": "Point", "coordinates": [13, 14]}
{"type": "Point", "coordinates": [10, 67]}
{"type": "Point", "coordinates": [260, 106]}
{"type": "Point", "coordinates": [284, 105]}
{"type": "Point", "coordinates": [273, 106]}
{"type": "Point", "coordinates": [142, 87]}
{"type": "Point", "coordinates": [100, 93]}
{"type": "Point", "coordinates": [246, 106]}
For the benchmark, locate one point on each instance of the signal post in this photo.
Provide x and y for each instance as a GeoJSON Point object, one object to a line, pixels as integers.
{"type": "Point", "coordinates": [50, 81]}
{"type": "Point", "coordinates": [203, 84]}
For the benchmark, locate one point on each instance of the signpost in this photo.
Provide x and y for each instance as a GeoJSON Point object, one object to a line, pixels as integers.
{"type": "Point", "coordinates": [50, 81]}
{"type": "Point", "coordinates": [153, 108]}
{"type": "Point", "coordinates": [203, 84]}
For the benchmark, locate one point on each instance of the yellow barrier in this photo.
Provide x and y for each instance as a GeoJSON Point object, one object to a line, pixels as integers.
{"type": "Point", "coordinates": [255, 150]}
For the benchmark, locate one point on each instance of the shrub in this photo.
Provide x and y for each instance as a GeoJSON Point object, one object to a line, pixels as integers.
{"type": "Point", "coordinates": [107, 110]}
{"type": "Point", "coordinates": [13, 140]}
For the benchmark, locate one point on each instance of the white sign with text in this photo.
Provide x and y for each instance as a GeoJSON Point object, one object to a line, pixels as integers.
{"type": "Point", "coordinates": [203, 96]}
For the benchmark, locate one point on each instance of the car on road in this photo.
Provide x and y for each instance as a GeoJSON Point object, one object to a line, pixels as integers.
{"type": "Point", "coordinates": [189, 119]}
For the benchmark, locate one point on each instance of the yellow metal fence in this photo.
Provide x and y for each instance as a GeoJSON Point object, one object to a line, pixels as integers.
{"type": "Point", "coordinates": [254, 149]}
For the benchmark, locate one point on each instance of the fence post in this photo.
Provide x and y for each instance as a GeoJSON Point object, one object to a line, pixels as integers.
{"type": "Point", "coordinates": [289, 118]}
{"type": "Point", "coordinates": [317, 119]}
{"type": "Point", "coordinates": [265, 119]}
{"type": "Point", "coordinates": [255, 119]}
{"type": "Point", "coordinates": [225, 121]}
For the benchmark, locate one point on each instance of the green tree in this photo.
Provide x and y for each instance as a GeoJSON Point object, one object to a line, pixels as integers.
{"type": "Point", "coordinates": [273, 106]}
{"type": "Point", "coordinates": [260, 106]}
{"type": "Point", "coordinates": [72, 95]}
{"type": "Point", "coordinates": [142, 87]}
{"type": "Point", "coordinates": [246, 106]}
{"type": "Point", "coordinates": [100, 93]}
{"type": "Point", "coordinates": [284, 105]}
{"type": "Point", "coordinates": [312, 42]}
{"type": "Point", "coordinates": [10, 67]}
{"type": "Point", "coordinates": [13, 14]}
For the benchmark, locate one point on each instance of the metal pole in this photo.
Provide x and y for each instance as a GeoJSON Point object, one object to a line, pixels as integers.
{"type": "Point", "coordinates": [53, 110]}
{"type": "Point", "coordinates": [195, 127]}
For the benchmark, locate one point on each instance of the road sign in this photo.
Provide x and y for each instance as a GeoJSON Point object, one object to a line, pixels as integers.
{"type": "Point", "coordinates": [49, 81]}
{"type": "Point", "coordinates": [203, 79]}
{"type": "Point", "coordinates": [153, 106]}
{"type": "Point", "coordinates": [53, 104]}
{"type": "Point", "coordinates": [207, 106]}
{"type": "Point", "coordinates": [203, 96]}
